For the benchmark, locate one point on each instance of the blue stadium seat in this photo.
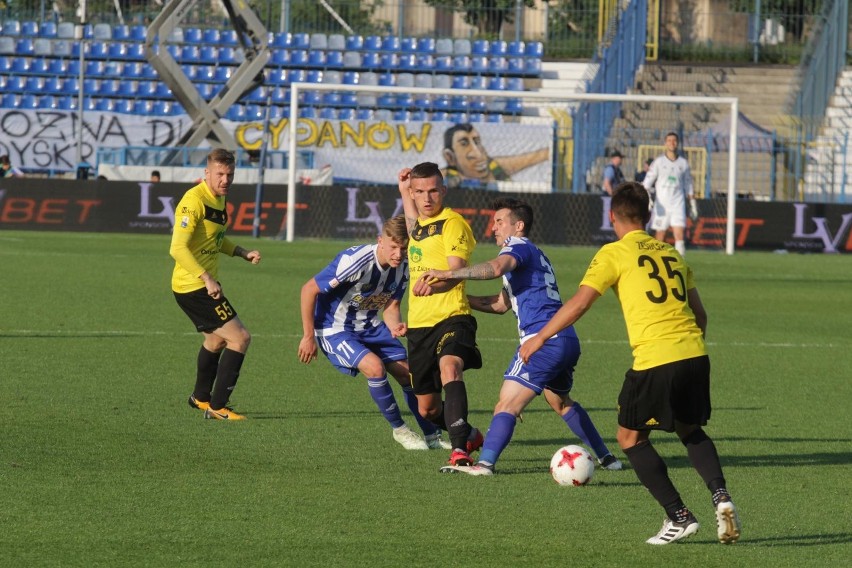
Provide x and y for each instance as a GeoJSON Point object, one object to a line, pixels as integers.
{"type": "Point", "coordinates": [88, 103]}
{"type": "Point", "coordinates": [57, 67]}
{"type": "Point", "coordinates": [407, 62]}
{"type": "Point", "coordinates": [25, 46]}
{"type": "Point", "coordinates": [189, 54]}
{"type": "Point", "coordinates": [142, 106]}
{"type": "Point", "coordinates": [532, 67]}
{"type": "Point", "coordinates": [514, 84]}
{"type": "Point", "coordinates": [441, 102]}
{"type": "Point", "coordinates": [223, 73]}
{"type": "Point", "coordinates": [373, 43]}
{"type": "Point", "coordinates": [6, 63]}
{"type": "Point", "coordinates": [138, 33]}
{"type": "Point", "coordinates": [404, 100]}
{"type": "Point", "coordinates": [229, 37]}
{"type": "Point", "coordinates": [20, 65]}
{"type": "Point", "coordinates": [478, 82]}
{"type": "Point", "coordinates": [401, 116]}
{"type": "Point", "coordinates": [12, 28]}
{"type": "Point", "coordinates": [298, 58]}
{"type": "Point", "coordinates": [208, 54]}
{"type": "Point", "coordinates": [350, 77]}
{"type": "Point", "coordinates": [408, 45]}
{"type": "Point", "coordinates": [515, 66]}
{"type": "Point", "coordinates": [72, 68]}
{"type": "Point", "coordinates": [189, 71]}
{"type": "Point", "coordinates": [66, 103]}
{"type": "Point", "coordinates": [28, 101]}
{"type": "Point", "coordinates": [94, 68]}
{"type": "Point", "coordinates": [206, 90]}
{"type": "Point", "coordinates": [515, 49]}
{"type": "Point", "coordinates": [386, 100]}
{"type": "Point", "coordinates": [47, 101]}
{"type": "Point", "coordinates": [121, 33]}
{"type": "Point", "coordinates": [459, 103]}
{"type": "Point", "coordinates": [440, 116]}
{"type": "Point", "coordinates": [205, 73]}
{"type": "Point", "coordinates": [114, 69]}
{"type": "Point", "coordinates": [108, 88]}
{"type": "Point", "coordinates": [98, 50]}
{"type": "Point", "coordinates": [33, 85]}
{"type": "Point", "coordinates": [313, 76]}
{"type": "Point", "coordinates": [296, 76]}
{"type": "Point", "coordinates": [389, 61]}
{"type": "Point", "coordinates": [47, 30]}
{"type": "Point", "coordinates": [425, 63]}
{"type": "Point", "coordinates": [211, 36]}
{"type": "Point", "coordinates": [90, 87]}
{"type": "Point", "coordinates": [346, 114]}
{"type": "Point", "coordinates": [460, 82]}
{"type": "Point", "coordinates": [334, 59]}
{"type": "Point", "coordinates": [478, 64]}
{"type": "Point", "coordinates": [161, 108]}
{"type": "Point", "coordinates": [476, 117]}
{"type": "Point", "coordinates": [386, 79]}
{"type": "Point", "coordinates": [514, 106]}
{"type": "Point", "coordinates": [301, 41]}
{"type": "Point", "coordinates": [118, 51]}
{"type": "Point", "coordinates": [256, 95]}
{"type": "Point", "coordinates": [443, 64]}
{"type": "Point", "coordinates": [273, 77]}
{"type": "Point", "coordinates": [132, 70]}
{"type": "Point", "coordinates": [426, 45]}
{"type": "Point", "coordinates": [372, 60]}
{"type": "Point", "coordinates": [498, 48]}
{"type": "Point", "coordinates": [461, 64]}
{"type": "Point", "coordinates": [15, 83]}
{"type": "Point", "coordinates": [354, 43]}
{"type": "Point", "coordinates": [279, 58]}
{"type": "Point", "coordinates": [327, 113]}
{"type": "Point", "coordinates": [349, 99]}
{"type": "Point", "coordinates": [127, 88]}
{"type": "Point", "coordinates": [192, 35]}
{"type": "Point", "coordinates": [104, 105]}
{"type": "Point", "coordinates": [29, 28]}
{"type": "Point", "coordinates": [135, 52]}
{"type": "Point", "coordinates": [123, 106]}
{"type": "Point", "coordinates": [148, 72]}
{"type": "Point", "coordinates": [497, 65]}
{"type": "Point", "coordinates": [307, 112]}
{"type": "Point", "coordinates": [281, 40]}
{"type": "Point", "coordinates": [254, 112]}
{"type": "Point", "coordinates": [494, 118]}
{"type": "Point", "coordinates": [70, 86]}
{"type": "Point", "coordinates": [496, 84]}
{"type": "Point", "coordinates": [146, 89]}
{"type": "Point", "coordinates": [391, 44]}
{"type": "Point", "coordinates": [534, 49]}
{"type": "Point", "coordinates": [457, 117]}
{"type": "Point", "coordinates": [9, 100]}
{"type": "Point", "coordinates": [163, 91]}
{"type": "Point", "coordinates": [228, 56]}
{"type": "Point", "coordinates": [363, 114]}
{"type": "Point", "coordinates": [316, 58]}
{"type": "Point", "coordinates": [418, 115]}
{"type": "Point", "coordinates": [280, 96]}
{"type": "Point", "coordinates": [480, 47]}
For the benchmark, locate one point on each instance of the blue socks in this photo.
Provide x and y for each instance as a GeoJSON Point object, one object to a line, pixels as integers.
{"type": "Point", "coordinates": [580, 423]}
{"type": "Point", "coordinates": [382, 394]}
{"type": "Point", "coordinates": [499, 434]}
{"type": "Point", "coordinates": [411, 400]}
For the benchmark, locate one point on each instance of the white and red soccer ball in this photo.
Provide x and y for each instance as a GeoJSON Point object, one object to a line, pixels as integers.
{"type": "Point", "coordinates": [572, 465]}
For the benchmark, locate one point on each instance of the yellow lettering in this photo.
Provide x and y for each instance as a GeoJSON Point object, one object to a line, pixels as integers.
{"type": "Point", "coordinates": [409, 141]}
{"type": "Point", "coordinates": [381, 136]}
{"type": "Point", "coordinates": [243, 141]}
{"type": "Point", "coordinates": [327, 135]}
{"type": "Point", "coordinates": [306, 132]}
{"type": "Point", "coordinates": [346, 131]}
{"type": "Point", "coordinates": [276, 129]}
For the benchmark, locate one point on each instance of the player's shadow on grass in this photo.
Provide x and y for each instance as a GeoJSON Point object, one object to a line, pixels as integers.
{"type": "Point", "coordinates": [799, 540]}
{"type": "Point", "coordinates": [324, 415]}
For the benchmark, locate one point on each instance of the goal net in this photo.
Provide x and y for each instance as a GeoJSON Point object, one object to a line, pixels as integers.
{"type": "Point", "coordinates": [488, 142]}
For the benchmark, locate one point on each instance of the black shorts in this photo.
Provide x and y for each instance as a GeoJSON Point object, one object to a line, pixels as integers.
{"type": "Point", "coordinates": [426, 345]}
{"type": "Point", "coordinates": [654, 398]}
{"type": "Point", "coordinates": [206, 313]}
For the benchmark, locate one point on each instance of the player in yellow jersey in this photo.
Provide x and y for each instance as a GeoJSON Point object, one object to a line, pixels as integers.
{"type": "Point", "coordinates": [197, 241]}
{"type": "Point", "coordinates": [668, 386]}
{"type": "Point", "coordinates": [441, 330]}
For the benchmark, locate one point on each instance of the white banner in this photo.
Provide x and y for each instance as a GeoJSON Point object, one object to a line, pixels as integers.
{"type": "Point", "coordinates": [494, 155]}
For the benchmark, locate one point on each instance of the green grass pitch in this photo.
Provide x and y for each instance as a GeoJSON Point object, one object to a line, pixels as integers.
{"type": "Point", "coordinates": [102, 463]}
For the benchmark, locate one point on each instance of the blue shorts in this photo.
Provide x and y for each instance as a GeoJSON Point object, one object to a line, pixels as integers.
{"type": "Point", "coordinates": [346, 349]}
{"type": "Point", "coordinates": [551, 367]}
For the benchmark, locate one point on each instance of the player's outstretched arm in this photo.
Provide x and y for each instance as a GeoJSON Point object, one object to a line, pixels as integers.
{"type": "Point", "coordinates": [424, 286]}
{"type": "Point", "coordinates": [495, 304]}
{"type": "Point", "coordinates": [408, 206]}
{"type": "Point", "coordinates": [307, 304]}
{"type": "Point", "coordinates": [569, 313]}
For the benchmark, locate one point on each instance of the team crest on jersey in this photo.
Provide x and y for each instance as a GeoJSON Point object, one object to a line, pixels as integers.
{"type": "Point", "coordinates": [415, 254]}
{"type": "Point", "coordinates": [184, 221]}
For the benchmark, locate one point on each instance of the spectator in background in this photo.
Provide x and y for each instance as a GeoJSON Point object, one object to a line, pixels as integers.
{"type": "Point", "coordinates": [640, 176]}
{"type": "Point", "coordinates": [7, 169]}
{"type": "Point", "coordinates": [155, 176]}
{"type": "Point", "coordinates": [612, 175]}
{"type": "Point", "coordinates": [468, 162]}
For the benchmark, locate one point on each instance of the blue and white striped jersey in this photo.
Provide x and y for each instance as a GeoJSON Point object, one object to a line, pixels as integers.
{"type": "Point", "coordinates": [531, 287]}
{"type": "Point", "coordinates": [355, 289]}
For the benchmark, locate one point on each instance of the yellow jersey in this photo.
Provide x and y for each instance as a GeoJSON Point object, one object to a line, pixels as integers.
{"type": "Point", "coordinates": [198, 238]}
{"type": "Point", "coordinates": [650, 279]}
{"type": "Point", "coordinates": [432, 241]}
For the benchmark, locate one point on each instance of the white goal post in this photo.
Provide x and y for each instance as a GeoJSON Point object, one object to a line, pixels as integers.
{"type": "Point", "coordinates": [528, 98]}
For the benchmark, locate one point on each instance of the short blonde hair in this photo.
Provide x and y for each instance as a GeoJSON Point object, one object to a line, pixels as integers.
{"type": "Point", "coordinates": [221, 156]}
{"type": "Point", "coordinates": [396, 229]}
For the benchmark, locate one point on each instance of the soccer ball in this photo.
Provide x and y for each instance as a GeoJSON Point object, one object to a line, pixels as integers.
{"type": "Point", "coordinates": [572, 465]}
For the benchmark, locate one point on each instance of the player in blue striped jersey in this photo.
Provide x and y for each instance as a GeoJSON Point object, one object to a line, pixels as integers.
{"type": "Point", "coordinates": [531, 292]}
{"type": "Point", "coordinates": [340, 310]}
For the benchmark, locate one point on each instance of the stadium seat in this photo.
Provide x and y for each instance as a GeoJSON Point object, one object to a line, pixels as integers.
{"type": "Point", "coordinates": [402, 116]}
{"type": "Point", "coordinates": [354, 43]}
{"type": "Point", "coordinates": [280, 57]}
{"type": "Point", "coordinates": [386, 100]}
{"type": "Point", "coordinates": [228, 56]}
{"type": "Point", "coordinates": [65, 30]}
{"type": "Point", "coordinates": [102, 32]}
{"type": "Point", "coordinates": [206, 90]}
{"type": "Point", "coordinates": [20, 65]}
{"type": "Point", "coordinates": [407, 62]}
{"type": "Point", "coordinates": [163, 91]}
{"type": "Point", "coordinates": [514, 84]}
{"type": "Point", "coordinates": [296, 76]}
{"type": "Point", "coordinates": [132, 70]}
{"type": "Point", "coordinates": [515, 66]}
{"type": "Point", "coordinates": [408, 45]}
{"type": "Point", "coordinates": [29, 28]}
{"type": "Point", "coordinates": [161, 108]}
{"type": "Point", "coordinates": [118, 51]}
{"type": "Point", "coordinates": [498, 48]}
{"type": "Point", "coordinates": [461, 64]}
{"type": "Point", "coordinates": [189, 54]}
{"type": "Point", "coordinates": [369, 78]}
{"type": "Point", "coordinates": [9, 100]}
{"type": "Point", "coordinates": [300, 41]}
{"type": "Point", "coordinates": [461, 82]}
{"type": "Point", "coordinates": [70, 86]}
{"type": "Point", "coordinates": [391, 44]}
{"type": "Point", "coordinates": [104, 105]}
{"type": "Point", "coordinates": [60, 48]}
{"type": "Point", "coordinates": [94, 68]}
{"type": "Point", "coordinates": [256, 95]}
{"type": "Point", "coordinates": [72, 68]}
{"type": "Point", "coordinates": [90, 87]}
{"type": "Point", "coordinates": [366, 100]}
{"type": "Point", "coordinates": [478, 82]}
{"type": "Point", "coordinates": [328, 113]}
{"type": "Point", "coordinates": [57, 67]}
{"type": "Point", "coordinates": [25, 46]}
{"type": "Point", "coordinates": [496, 84]}
{"type": "Point", "coordinates": [229, 37]}
{"type": "Point", "coordinates": [444, 46]}
{"type": "Point", "coordinates": [12, 28]}
{"type": "Point", "coordinates": [476, 117]}
{"type": "Point", "coordinates": [425, 63]}
{"type": "Point", "coordinates": [372, 43]}
{"type": "Point", "coordinates": [176, 36]}
{"type": "Point", "coordinates": [15, 83]}
{"type": "Point", "coordinates": [299, 58]}
{"type": "Point", "coordinates": [279, 95]}
{"type": "Point", "coordinates": [66, 103]}
{"type": "Point", "coordinates": [123, 106]}
{"type": "Point", "coordinates": [6, 63]}
{"type": "Point", "coordinates": [405, 80]}
{"type": "Point", "coordinates": [313, 76]}
{"type": "Point", "coordinates": [28, 101]}
{"type": "Point", "coordinates": [461, 47]}
{"type": "Point", "coordinates": [404, 100]}
{"type": "Point", "coordinates": [442, 82]}
{"type": "Point", "coordinates": [114, 69]}
{"type": "Point", "coordinates": [211, 36]}
{"type": "Point", "coordinates": [443, 64]}
{"type": "Point", "coordinates": [121, 33]}
{"type": "Point", "coordinates": [223, 73]}
{"type": "Point", "coordinates": [515, 49]}
{"type": "Point", "coordinates": [47, 30]}
{"type": "Point", "coordinates": [494, 118]}
{"type": "Point", "coordinates": [319, 41]}
{"type": "Point", "coordinates": [372, 60]}
{"type": "Point", "coordinates": [332, 77]}
{"type": "Point", "coordinates": [350, 77]}
{"type": "Point", "coordinates": [7, 45]}
{"type": "Point", "coordinates": [307, 112]}
{"type": "Point", "coordinates": [532, 67]}
{"type": "Point", "coordinates": [417, 115]}
{"type": "Point", "coordinates": [127, 88]}
{"type": "Point", "coordinates": [330, 98]}
{"type": "Point", "coordinates": [480, 47]}
{"type": "Point", "coordinates": [352, 60]}
{"type": "Point", "coordinates": [138, 33]}
{"type": "Point", "coordinates": [33, 85]}
{"type": "Point", "coordinates": [254, 112]}
{"type": "Point", "coordinates": [316, 58]}
{"type": "Point", "coordinates": [497, 65]}
{"type": "Point", "coordinates": [441, 102]}
{"type": "Point", "coordinates": [534, 49]}
{"type": "Point", "coordinates": [142, 106]}
{"type": "Point", "coordinates": [135, 52]}
{"type": "Point", "coordinates": [459, 103]}
{"type": "Point", "coordinates": [426, 46]}
{"type": "Point", "coordinates": [346, 114]}
{"type": "Point", "coordinates": [98, 50]}
{"type": "Point", "coordinates": [334, 59]}
{"type": "Point", "coordinates": [364, 114]}
{"type": "Point", "coordinates": [89, 103]}
{"type": "Point", "coordinates": [148, 72]}
{"type": "Point", "coordinates": [514, 106]}
{"type": "Point", "coordinates": [423, 80]}
{"type": "Point", "coordinates": [440, 116]}
{"type": "Point", "coordinates": [281, 40]}
{"type": "Point", "coordinates": [208, 54]}
{"type": "Point", "coordinates": [42, 47]}
{"type": "Point", "coordinates": [47, 101]}
{"type": "Point", "coordinates": [387, 79]}
{"type": "Point", "coordinates": [389, 61]}
{"type": "Point", "coordinates": [146, 89]}
{"type": "Point", "coordinates": [192, 35]}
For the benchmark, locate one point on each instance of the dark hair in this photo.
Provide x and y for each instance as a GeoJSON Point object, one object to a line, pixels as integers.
{"type": "Point", "coordinates": [630, 201]}
{"type": "Point", "coordinates": [155, 173]}
{"type": "Point", "coordinates": [427, 170]}
{"type": "Point", "coordinates": [450, 132]}
{"type": "Point", "coordinates": [673, 134]}
{"type": "Point", "coordinates": [521, 210]}
{"type": "Point", "coordinates": [4, 160]}
{"type": "Point", "coordinates": [221, 156]}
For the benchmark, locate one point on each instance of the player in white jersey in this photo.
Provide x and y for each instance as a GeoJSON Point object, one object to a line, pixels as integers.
{"type": "Point", "coordinates": [670, 182]}
{"type": "Point", "coordinates": [531, 292]}
{"type": "Point", "coordinates": [340, 310]}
